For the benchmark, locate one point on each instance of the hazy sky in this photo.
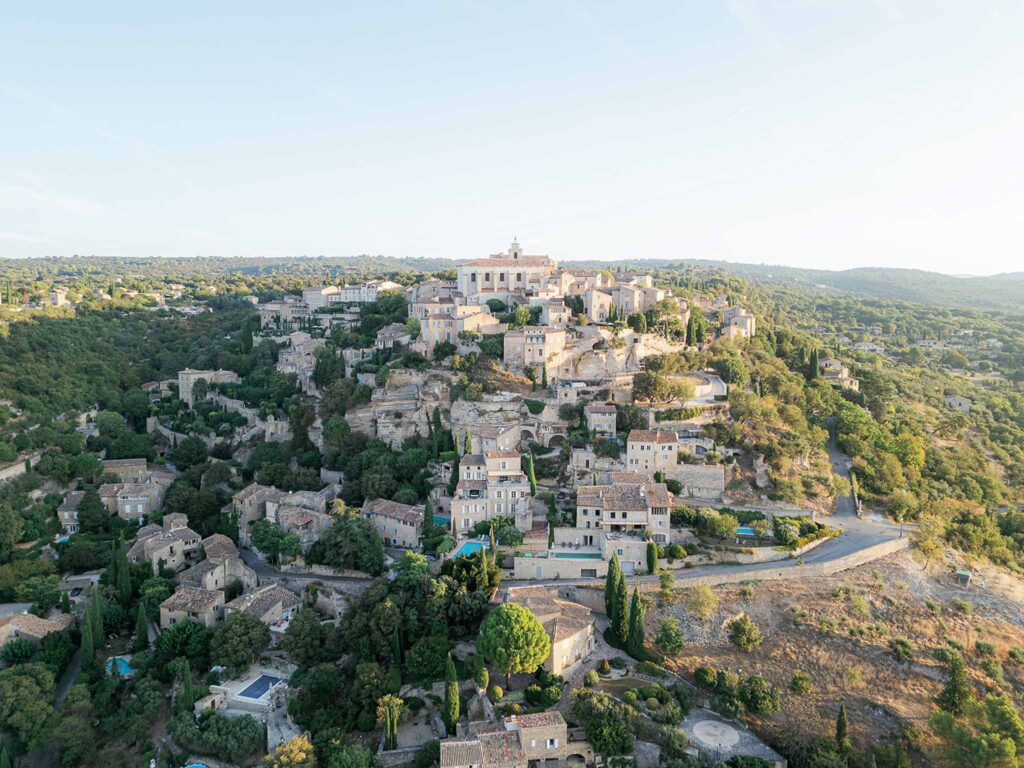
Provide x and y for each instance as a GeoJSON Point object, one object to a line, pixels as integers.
{"type": "Point", "coordinates": [810, 133]}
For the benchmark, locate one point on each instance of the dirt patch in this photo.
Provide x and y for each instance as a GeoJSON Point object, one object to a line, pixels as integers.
{"type": "Point", "coordinates": [838, 630]}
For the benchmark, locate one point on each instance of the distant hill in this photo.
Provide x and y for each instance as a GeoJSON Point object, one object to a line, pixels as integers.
{"type": "Point", "coordinates": [1000, 293]}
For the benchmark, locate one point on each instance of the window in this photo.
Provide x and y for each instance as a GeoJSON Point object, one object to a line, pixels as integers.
{"type": "Point", "coordinates": [552, 743]}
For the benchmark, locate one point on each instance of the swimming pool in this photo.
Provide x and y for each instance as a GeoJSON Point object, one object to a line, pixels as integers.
{"type": "Point", "coordinates": [124, 669]}
{"type": "Point", "coordinates": [196, 765]}
{"type": "Point", "coordinates": [441, 520]}
{"type": "Point", "coordinates": [578, 555]}
{"type": "Point", "coordinates": [468, 548]}
{"type": "Point", "coordinates": [745, 531]}
{"type": "Point", "coordinates": [259, 687]}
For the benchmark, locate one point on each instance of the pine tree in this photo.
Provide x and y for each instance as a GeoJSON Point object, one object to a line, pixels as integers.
{"type": "Point", "coordinates": [620, 618]}
{"type": "Point", "coordinates": [614, 572]}
{"type": "Point", "coordinates": [531, 476]}
{"type": "Point", "coordinates": [451, 695]}
{"type": "Point", "coordinates": [956, 693]}
{"type": "Point", "coordinates": [842, 731]}
{"type": "Point", "coordinates": [141, 628]}
{"type": "Point", "coordinates": [635, 637]}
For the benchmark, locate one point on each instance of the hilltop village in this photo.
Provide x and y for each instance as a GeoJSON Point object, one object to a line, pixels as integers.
{"type": "Point", "coordinates": [486, 516]}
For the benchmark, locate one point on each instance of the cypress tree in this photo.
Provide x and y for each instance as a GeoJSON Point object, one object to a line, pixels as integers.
{"type": "Point", "coordinates": [530, 474]}
{"type": "Point", "coordinates": [614, 571]}
{"type": "Point", "coordinates": [842, 737]}
{"type": "Point", "coordinates": [812, 365]}
{"type": "Point", "coordinates": [635, 638]}
{"type": "Point", "coordinates": [141, 628]}
{"type": "Point", "coordinates": [87, 647]}
{"type": "Point", "coordinates": [451, 695]}
{"type": "Point", "coordinates": [96, 616]}
{"type": "Point", "coordinates": [544, 375]}
{"type": "Point", "coordinates": [187, 694]}
{"type": "Point", "coordinates": [5, 757]}
{"type": "Point", "coordinates": [467, 446]}
{"type": "Point", "coordinates": [620, 617]}
{"type": "Point", "coordinates": [453, 481]}
{"type": "Point", "coordinates": [492, 542]}
{"type": "Point", "coordinates": [124, 578]}
{"type": "Point", "coordinates": [652, 557]}
{"type": "Point", "coordinates": [65, 603]}
{"type": "Point", "coordinates": [484, 580]}
{"type": "Point", "coordinates": [396, 647]}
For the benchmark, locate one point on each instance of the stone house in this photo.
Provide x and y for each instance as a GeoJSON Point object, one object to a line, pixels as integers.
{"type": "Point", "coordinates": [390, 335]}
{"type": "Point", "coordinates": [127, 470]}
{"type": "Point", "coordinates": [962, 404]}
{"type": "Point", "coordinates": [491, 485]}
{"type": "Point", "coordinates": [28, 626]}
{"type": "Point", "coordinates": [652, 450]}
{"type": "Point", "coordinates": [601, 419]}
{"type": "Point", "coordinates": [132, 501]}
{"type": "Point", "coordinates": [172, 544]}
{"type": "Point", "coordinates": [399, 525]}
{"type": "Point", "coordinates": [273, 605]}
{"type": "Point", "coordinates": [624, 507]}
{"type": "Point", "coordinates": [187, 381]}
{"type": "Point", "coordinates": [250, 504]}
{"type": "Point", "coordinates": [535, 346]}
{"type": "Point", "coordinates": [597, 305]}
{"type": "Point", "coordinates": [192, 603]}
{"type": "Point", "coordinates": [516, 741]}
{"type": "Point", "coordinates": [212, 575]}
{"type": "Point", "coordinates": [500, 438]}
{"type": "Point", "coordinates": [700, 481]}
{"type": "Point", "coordinates": [67, 512]}
{"type": "Point", "coordinates": [569, 625]}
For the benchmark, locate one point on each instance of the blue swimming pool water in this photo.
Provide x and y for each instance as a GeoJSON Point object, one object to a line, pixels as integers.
{"type": "Point", "coordinates": [744, 531]}
{"type": "Point", "coordinates": [123, 667]}
{"type": "Point", "coordinates": [259, 686]}
{"type": "Point", "coordinates": [442, 521]}
{"type": "Point", "coordinates": [468, 548]}
{"type": "Point", "coordinates": [578, 555]}
{"type": "Point", "coordinates": [196, 765]}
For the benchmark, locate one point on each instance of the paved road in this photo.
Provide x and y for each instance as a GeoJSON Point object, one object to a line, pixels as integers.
{"type": "Point", "coordinates": [857, 535]}
{"type": "Point", "coordinates": [267, 572]}
{"type": "Point", "coordinates": [845, 505]}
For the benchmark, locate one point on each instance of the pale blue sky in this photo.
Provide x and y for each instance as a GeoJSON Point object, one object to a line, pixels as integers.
{"type": "Point", "coordinates": [811, 133]}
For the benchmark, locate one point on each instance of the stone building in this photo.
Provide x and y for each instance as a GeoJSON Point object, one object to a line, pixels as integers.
{"type": "Point", "coordinates": [652, 450]}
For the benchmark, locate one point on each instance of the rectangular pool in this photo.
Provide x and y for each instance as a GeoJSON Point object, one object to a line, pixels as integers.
{"type": "Point", "coordinates": [442, 521]}
{"type": "Point", "coordinates": [744, 531]}
{"type": "Point", "coordinates": [259, 687]}
{"type": "Point", "coordinates": [578, 555]}
{"type": "Point", "coordinates": [468, 548]}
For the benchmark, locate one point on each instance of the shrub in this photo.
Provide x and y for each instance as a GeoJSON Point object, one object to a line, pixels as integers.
{"type": "Point", "coordinates": [800, 683]}
{"type": "Point", "coordinates": [984, 649]}
{"type": "Point", "coordinates": [962, 606]}
{"type": "Point", "coordinates": [759, 696]}
{"type": "Point", "coordinates": [651, 703]}
{"type": "Point", "coordinates": [994, 670]}
{"type": "Point", "coordinates": [902, 648]}
{"type": "Point", "coordinates": [1017, 654]}
{"type": "Point", "coordinates": [496, 693]}
{"type": "Point", "coordinates": [604, 667]}
{"type": "Point", "coordinates": [744, 633]}
{"type": "Point", "coordinates": [534, 406]}
{"type": "Point", "coordinates": [650, 668]}
{"type": "Point", "coordinates": [703, 601]}
{"type": "Point", "coordinates": [706, 677]}
{"type": "Point", "coordinates": [630, 697]}
{"type": "Point", "coordinates": [591, 679]}
{"type": "Point", "coordinates": [620, 663]}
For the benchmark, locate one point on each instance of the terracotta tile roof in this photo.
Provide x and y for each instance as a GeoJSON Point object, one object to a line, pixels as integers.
{"type": "Point", "coordinates": [624, 497]}
{"type": "Point", "coordinates": [193, 600]}
{"type": "Point", "coordinates": [502, 454]}
{"type": "Point", "coordinates": [600, 408]}
{"type": "Point", "coordinates": [653, 436]}
{"type": "Point", "coordinates": [218, 546]}
{"type": "Point", "coordinates": [71, 501]}
{"type": "Point", "coordinates": [30, 625]}
{"type": "Point", "coordinates": [540, 719]}
{"type": "Point", "coordinates": [630, 477]}
{"type": "Point", "coordinates": [403, 513]}
{"type": "Point", "coordinates": [260, 601]}
{"type": "Point", "coordinates": [461, 752]}
{"type": "Point", "coordinates": [494, 261]}
{"type": "Point", "coordinates": [472, 460]}
{"type": "Point", "coordinates": [501, 749]}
